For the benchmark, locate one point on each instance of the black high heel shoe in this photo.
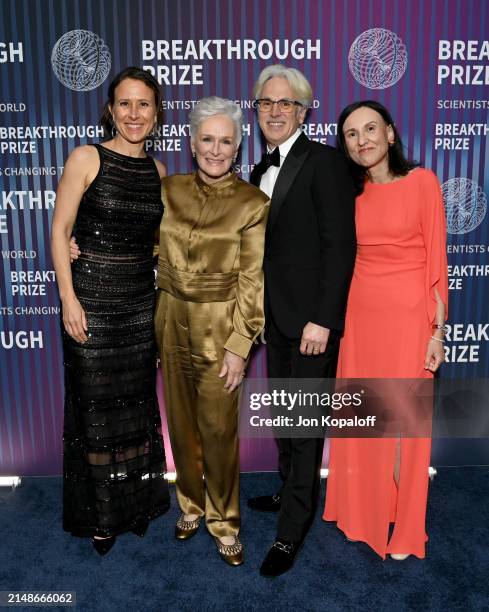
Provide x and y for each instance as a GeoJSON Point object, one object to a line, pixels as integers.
{"type": "Point", "coordinates": [103, 546]}
{"type": "Point", "coordinates": [141, 529]}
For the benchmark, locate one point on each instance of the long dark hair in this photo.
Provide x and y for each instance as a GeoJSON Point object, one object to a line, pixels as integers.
{"type": "Point", "coordinates": [399, 165]}
{"type": "Point", "coordinates": [132, 72]}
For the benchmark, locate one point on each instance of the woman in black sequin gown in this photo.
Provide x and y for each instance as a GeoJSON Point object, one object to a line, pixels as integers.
{"type": "Point", "coordinates": [109, 198]}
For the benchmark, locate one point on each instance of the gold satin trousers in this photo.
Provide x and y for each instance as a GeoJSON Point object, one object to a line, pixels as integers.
{"type": "Point", "coordinates": [202, 417]}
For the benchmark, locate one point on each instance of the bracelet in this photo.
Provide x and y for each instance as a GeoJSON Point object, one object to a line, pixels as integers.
{"type": "Point", "coordinates": [437, 339]}
{"type": "Point", "coordinates": [438, 326]}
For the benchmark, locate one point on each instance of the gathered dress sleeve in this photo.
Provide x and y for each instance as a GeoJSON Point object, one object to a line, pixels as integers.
{"type": "Point", "coordinates": [433, 226]}
{"type": "Point", "coordinates": [248, 316]}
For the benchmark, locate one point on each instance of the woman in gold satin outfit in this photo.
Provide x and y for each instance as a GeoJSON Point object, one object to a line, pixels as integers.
{"type": "Point", "coordinates": [210, 309]}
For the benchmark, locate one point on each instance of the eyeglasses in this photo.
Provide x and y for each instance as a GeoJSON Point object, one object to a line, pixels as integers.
{"type": "Point", "coordinates": [265, 105]}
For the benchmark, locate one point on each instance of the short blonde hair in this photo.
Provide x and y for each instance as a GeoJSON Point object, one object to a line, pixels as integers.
{"type": "Point", "coordinates": [214, 105]}
{"type": "Point", "coordinates": [297, 81]}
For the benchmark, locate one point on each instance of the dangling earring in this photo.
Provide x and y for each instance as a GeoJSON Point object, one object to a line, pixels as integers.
{"type": "Point", "coordinates": [193, 154]}
{"type": "Point", "coordinates": [113, 131]}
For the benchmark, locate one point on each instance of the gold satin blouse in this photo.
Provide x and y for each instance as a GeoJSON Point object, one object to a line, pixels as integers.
{"type": "Point", "coordinates": [211, 248]}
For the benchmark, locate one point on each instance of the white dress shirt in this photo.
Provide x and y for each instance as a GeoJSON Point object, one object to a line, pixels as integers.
{"type": "Point", "coordinates": [269, 179]}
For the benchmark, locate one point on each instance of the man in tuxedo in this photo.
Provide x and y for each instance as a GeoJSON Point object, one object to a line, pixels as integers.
{"type": "Point", "coordinates": [309, 256]}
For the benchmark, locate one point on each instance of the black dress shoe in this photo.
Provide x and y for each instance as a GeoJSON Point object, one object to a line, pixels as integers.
{"type": "Point", "coordinates": [103, 546]}
{"type": "Point", "coordinates": [265, 503]}
{"type": "Point", "coordinates": [141, 529]}
{"type": "Point", "coordinates": [280, 558]}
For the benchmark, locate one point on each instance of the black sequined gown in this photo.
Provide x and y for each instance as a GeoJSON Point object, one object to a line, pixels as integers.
{"type": "Point", "coordinates": [114, 461]}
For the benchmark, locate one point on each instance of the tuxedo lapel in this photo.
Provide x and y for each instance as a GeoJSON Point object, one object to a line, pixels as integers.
{"type": "Point", "coordinates": [255, 176]}
{"type": "Point", "coordinates": [291, 166]}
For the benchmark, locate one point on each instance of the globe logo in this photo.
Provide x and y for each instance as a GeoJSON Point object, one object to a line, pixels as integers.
{"type": "Point", "coordinates": [377, 58]}
{"type": "Point", "coordinates": [465, 205]}
{"type": "Point", "coordinates": [81, 60]}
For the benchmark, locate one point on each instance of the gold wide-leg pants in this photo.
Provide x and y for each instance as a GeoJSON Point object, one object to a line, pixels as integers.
{"type": "Point", "coordinates": [202, 417]}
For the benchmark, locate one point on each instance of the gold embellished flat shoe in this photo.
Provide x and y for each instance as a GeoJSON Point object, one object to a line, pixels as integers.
{"type": "Point", "coordinates": [232, 554]}
{"type": "Point", "coordinates": [184, 530]}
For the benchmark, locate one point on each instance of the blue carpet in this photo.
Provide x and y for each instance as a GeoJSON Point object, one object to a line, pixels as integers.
{"type": "Point", "coordinates": [159, 573]}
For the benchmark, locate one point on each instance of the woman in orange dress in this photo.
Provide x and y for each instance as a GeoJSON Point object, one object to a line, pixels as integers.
{"type": "Point", "coordinates": [394, 329]}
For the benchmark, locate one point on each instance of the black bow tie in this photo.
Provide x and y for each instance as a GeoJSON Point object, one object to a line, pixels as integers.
{"type": "Point", "coordinates": [268, 159]}
{"type": "Point", "coordinates": [271, 159]}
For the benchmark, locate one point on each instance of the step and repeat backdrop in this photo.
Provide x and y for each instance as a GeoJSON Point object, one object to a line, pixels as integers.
{"type": "Point", "coordinates": [428, 62]}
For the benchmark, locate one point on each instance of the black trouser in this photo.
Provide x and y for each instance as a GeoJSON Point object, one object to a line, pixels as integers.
{"type": "Point", "coordinates": [299, 458]}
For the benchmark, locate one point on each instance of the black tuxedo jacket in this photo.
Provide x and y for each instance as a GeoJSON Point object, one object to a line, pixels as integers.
{"type": "Point", "coordinates": [310, 242]}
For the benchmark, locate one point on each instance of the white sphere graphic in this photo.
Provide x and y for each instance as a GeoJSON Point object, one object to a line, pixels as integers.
{"type": "Point", "coordinates": [377, 58]}
{"type": "Point", "coordinates": [465, 205]}
{"type": "Point", "coordinates": [81, 60]}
